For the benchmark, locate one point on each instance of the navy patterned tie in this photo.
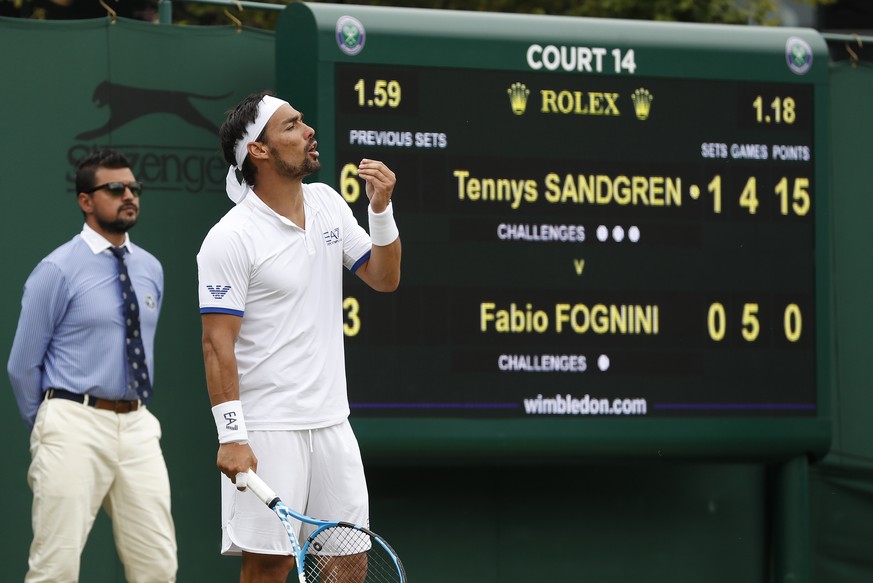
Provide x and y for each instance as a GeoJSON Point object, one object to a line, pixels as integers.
{"type": "Point", "coordinates": [137, 371]}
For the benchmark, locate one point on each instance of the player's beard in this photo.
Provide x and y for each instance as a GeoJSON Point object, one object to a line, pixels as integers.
{"type": "Point", "coordinates": [309, 165]}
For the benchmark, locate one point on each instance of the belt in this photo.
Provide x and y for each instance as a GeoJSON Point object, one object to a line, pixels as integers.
{"type": "Point", "coordinates": [104, 404]}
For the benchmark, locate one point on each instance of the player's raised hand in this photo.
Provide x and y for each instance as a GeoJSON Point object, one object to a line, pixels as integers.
{"type": "Point", "coordinates": [380, 181]}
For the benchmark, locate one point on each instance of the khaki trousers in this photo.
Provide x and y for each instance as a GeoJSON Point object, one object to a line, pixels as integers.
{"type": "Point", "coordinates": [84, 458]}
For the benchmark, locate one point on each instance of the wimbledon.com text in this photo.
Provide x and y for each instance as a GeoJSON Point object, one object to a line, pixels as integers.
{"type": "Point", "coordinates": [570, 405]}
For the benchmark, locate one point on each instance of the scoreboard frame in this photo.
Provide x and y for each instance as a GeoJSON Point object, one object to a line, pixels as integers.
{"type": "Point", "coordinates": [318, 45]}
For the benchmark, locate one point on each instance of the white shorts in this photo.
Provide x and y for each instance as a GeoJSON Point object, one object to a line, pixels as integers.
{"type": "Point", "coordinates": [316, 472]}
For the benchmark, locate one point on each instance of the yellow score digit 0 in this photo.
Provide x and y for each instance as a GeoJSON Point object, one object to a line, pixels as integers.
{"type": "Point", "coordinates": [385, 93]}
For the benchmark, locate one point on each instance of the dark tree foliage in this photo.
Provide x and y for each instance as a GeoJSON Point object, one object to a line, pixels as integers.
{"type": "Point", "coordinates": [193, 13]}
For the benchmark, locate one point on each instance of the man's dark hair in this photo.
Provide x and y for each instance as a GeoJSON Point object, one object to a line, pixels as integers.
{"type": "Point", "coordinates": [233, 128]}
{"type": "Point", "coordinates": [87, 167]}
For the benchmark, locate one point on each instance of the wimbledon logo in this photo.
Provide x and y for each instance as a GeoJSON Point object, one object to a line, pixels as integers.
{"type": "Point", "coordinates": [350, 35]}
{"type": "Point", "coordinates": [798, 54]}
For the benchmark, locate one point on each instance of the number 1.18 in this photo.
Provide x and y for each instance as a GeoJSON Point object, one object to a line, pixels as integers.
{"type": "Point", "coordinates": [783, 109]}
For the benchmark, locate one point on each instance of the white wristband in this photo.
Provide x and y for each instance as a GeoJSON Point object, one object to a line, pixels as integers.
{"type": "Point", "coordinates": [230, 422]}
{"type": "Point", "coordinates": [383, 229]}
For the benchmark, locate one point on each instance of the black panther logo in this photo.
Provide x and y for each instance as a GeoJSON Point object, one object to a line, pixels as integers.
{"type": "Point", "coordinates": [129, 103]}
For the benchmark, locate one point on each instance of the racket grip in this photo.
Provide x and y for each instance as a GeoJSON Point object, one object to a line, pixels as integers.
{"type": "Point", "coordinates": [260, 489]}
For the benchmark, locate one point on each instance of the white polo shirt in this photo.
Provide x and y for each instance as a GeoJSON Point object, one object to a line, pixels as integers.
{"type": "Point", "coordinates": [286, 284]}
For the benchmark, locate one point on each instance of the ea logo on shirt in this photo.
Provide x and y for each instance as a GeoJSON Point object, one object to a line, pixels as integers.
{"type": "Point", "coordinates": [332, 237]}
{"type": "Point", "coordinates": [150, 302]}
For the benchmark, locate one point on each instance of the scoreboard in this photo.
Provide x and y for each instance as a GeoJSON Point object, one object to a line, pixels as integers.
{"type": "Point", "coordinates": [614, 233]}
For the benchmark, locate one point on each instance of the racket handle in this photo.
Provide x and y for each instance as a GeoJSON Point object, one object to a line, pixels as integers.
{"type": "Point", "coordinates": [260, 489]}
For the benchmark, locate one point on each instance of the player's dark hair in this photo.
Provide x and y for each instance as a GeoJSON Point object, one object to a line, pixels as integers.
{"type": "Point", "coordinates": [233, 128]}
{"type": "Point", "coordinates": [87, 167]}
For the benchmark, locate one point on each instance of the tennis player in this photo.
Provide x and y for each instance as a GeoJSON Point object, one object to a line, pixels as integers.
{"type": "Point", "coordinates": [270, 289]}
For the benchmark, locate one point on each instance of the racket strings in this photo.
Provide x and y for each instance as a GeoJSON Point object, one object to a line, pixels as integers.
{"type": "Point", "coordinates": [344, 554]}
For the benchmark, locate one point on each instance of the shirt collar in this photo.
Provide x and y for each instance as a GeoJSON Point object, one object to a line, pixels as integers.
{"type": "Point", "coordinates": [256, 203]}
{"type": "Point", "coordinates": [98, 243]}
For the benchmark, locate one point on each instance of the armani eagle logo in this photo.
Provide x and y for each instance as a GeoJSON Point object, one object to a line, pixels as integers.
{"type": "Point", "coordinates": [218, 291]}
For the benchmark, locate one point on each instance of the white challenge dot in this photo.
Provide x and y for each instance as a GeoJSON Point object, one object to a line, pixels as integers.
{"type": "Point", "coordinates": [603, 362]}
{"type": "Point", "coordinates": [633, 234]}
{"type": "Point", "coordinates": [602, 233]}
{"type": "Point", "coordinates": [618, 233]}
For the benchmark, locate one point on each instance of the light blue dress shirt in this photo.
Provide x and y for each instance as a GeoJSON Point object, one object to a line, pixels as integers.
{"type": "Point", "coordinates": [71, 330]}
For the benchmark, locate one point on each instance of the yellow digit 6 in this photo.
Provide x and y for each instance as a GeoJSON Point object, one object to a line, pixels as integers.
{"type": "Point", "coordinates": [352, 309]}
{"type": "Point", "coordinates": [349, 185]}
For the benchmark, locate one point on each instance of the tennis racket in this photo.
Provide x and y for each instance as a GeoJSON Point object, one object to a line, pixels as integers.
{"type": "Point", "coordinates": [336, 552]}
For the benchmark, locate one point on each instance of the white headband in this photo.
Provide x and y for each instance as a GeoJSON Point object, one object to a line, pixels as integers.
{"type": "Point", "coordinates": [236, 190]}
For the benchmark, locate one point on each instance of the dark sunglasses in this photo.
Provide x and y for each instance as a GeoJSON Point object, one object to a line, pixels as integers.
{"type": "Point", "coordinates": [117, 188]}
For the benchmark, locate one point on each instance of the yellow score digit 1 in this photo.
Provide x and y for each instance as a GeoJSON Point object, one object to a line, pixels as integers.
{"type": "Point", "coordinates": [361, 89]}
{"type": "Point", "coordinates": [714, 187]}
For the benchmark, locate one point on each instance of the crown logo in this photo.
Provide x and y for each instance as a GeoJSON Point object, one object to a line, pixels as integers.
{"type": "Point", "coordinates": [518, 94]}
{"type": "Point", "coordinates": [642, 99]}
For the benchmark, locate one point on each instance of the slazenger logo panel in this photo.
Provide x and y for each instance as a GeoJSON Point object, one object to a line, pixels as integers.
{"type": "Point", "coordinates": [129, 103]}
